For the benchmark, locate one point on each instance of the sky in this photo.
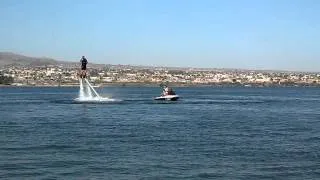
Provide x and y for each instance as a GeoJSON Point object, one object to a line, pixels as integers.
{"type": "Point", "coordinates": [246, 34]}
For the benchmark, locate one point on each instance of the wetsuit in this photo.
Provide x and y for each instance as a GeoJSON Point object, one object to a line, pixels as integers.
{"type": "Point", "coordinates": [84, 63]}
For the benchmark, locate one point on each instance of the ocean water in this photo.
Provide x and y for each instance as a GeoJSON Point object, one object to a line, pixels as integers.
{"type": "Point", "coordinates": [211, 133]}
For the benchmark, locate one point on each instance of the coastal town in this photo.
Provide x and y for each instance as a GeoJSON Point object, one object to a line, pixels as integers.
{"type": "Point", "coordinates": [67, 75]}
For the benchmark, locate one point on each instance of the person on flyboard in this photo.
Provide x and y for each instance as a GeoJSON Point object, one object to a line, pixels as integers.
{"type": "Point", "coordinates": [84, 62]}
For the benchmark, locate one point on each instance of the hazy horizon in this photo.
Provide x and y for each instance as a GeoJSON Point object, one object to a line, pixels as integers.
{"type": "Point", "coordinates": [231, 34]}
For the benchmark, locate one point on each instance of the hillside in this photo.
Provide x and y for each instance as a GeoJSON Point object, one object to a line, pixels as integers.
{"type": "Point", "coordinates": [8, 58]}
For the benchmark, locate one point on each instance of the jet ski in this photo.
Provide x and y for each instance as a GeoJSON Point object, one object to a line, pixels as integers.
{"type": "Point", "coordinates": [167, 94]}
{"type": "Point", "coordinates": [167, 97]}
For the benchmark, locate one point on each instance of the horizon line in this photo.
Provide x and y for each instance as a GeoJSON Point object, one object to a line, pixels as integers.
{"type": "Point", "coordinates": [161, 66]}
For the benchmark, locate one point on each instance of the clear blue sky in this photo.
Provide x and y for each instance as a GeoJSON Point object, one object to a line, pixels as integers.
{"type": "Point", "coordinates": [251, 34]}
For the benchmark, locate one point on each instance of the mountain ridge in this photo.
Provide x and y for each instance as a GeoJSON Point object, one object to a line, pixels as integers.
{"type": "Point", "coordinates": [9, 58]}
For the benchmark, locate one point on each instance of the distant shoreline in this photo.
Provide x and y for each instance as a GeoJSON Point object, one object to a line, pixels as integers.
{"type": "Point", "coordinates": [118, 84]}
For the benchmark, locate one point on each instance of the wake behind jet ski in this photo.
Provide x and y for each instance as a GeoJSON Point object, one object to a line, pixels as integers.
{"type": "Point", "coordinates": [167, 94]}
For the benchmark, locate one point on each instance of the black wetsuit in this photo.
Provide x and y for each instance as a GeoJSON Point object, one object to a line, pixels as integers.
{"type": "Point", "coordinates": [84, 63]}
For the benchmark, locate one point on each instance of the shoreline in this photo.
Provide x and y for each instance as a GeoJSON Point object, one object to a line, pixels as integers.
{"type": "Point", "coordinates": [137, 84]}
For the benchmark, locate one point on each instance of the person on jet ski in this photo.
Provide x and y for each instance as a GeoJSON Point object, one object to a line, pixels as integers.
{"type": "Point", "coordinates": [84, 63]}
{"type": "Point", "coordinates": [167, 91]}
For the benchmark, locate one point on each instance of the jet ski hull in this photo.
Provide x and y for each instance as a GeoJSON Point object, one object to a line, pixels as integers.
{"type": "Point", "coordinates": [167, 98]}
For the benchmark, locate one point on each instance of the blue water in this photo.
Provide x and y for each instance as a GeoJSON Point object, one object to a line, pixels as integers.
{"type": "Point", "coordinates": [211, 133]}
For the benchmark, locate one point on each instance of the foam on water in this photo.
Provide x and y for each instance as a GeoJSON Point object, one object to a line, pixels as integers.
{"type": "Point", "coordinates": [95, 99]}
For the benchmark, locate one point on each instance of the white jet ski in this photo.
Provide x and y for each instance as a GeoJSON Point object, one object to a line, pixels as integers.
{"type": "Point", "coordinates": [167, 98]}
{"type": "Point", "coordinates": [167, 94]}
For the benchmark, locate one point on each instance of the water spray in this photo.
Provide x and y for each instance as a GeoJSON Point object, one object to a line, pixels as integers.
{"type": "Point", "coordinates": [86, 93]}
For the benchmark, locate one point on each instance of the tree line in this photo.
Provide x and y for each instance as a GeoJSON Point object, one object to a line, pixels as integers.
{"type": "Point", "coordinates": [6, 79]}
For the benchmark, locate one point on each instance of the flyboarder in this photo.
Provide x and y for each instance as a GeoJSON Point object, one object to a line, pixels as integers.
{"type": "Point", "coordinates": [84, 62]}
